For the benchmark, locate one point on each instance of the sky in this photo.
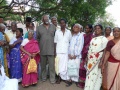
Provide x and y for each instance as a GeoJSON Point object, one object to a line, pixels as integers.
{"type": "Point", "coordinates": [114, 10]}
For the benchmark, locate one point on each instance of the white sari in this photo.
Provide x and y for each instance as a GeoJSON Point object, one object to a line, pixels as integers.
{"type": "Point", "coordinates": [94, 76]}
{"type": "Point", "coordinates": [6, 83]}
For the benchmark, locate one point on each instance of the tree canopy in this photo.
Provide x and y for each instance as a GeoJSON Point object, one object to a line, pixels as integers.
{"type": "Point", "coordinates": [75, 11]}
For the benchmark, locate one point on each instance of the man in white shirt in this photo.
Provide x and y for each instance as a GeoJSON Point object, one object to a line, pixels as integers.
{"type": "Point", "coordinates": [62, 39]}
{"type": "Point", "coordinates": [75, 49]}
{"type": "Point", "coordinates": [12, 33]}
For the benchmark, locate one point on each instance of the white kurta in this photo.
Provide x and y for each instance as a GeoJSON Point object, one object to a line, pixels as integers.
{"type": "Point", "coordinates": [75, 48]}
{"type": "Point", "coordinates": [62, 44]}
{"type": "Point", "coordinates": [6, 83]}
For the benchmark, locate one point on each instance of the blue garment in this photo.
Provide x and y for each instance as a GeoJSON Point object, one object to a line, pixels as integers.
{"type": "Point", "coordinates": [15, 61]}
{"type": "Point", "coordinates": [1, 50]}
{"type": "Point", "coordinates": [26, 35]}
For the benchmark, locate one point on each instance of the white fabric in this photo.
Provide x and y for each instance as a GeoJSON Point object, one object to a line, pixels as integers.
{"type": "Point", "coordinates": [62, 41]}
{"type": "Point", "coordinates": [24, 42]}
{"type": "Point", "coordinates": [97, 44]}
{"type": "Point", "coordinates": [94, 76]}
{"type": "Point", "coordinates": [76, 45]}
{"type": "Point", "coordinates": [13, 40]}
{"type": "Point", "coordinates": [75, 78]}
{"type": "Point", "coordinates": [63, 59]}
{"type": "Point", "coordinates": [10, 34]}
{"type": "Point", "coordinates": [6, 83]}
{"type": "Point", "coordinates": [72, 69]}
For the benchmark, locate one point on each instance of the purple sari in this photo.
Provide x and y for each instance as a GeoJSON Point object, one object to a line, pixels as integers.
{"type": "Point", "coordinates": [15, 61]}
{"type": "Point", "coordinates": [82, 71]}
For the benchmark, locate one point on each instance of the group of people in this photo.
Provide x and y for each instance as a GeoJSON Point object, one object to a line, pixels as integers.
{"type": "Point", "coordinates": [95, 54]}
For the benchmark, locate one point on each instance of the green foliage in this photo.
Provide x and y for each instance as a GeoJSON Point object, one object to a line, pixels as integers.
{"type": "Point", "coordinates": [75, 11]}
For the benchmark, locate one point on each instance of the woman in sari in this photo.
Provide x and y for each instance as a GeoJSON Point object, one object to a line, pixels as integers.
{"type": "Point", "coordinates": [5, 82]}
{"type": "Point", "coordinates": [87, 38]}
{"type": "Point", "coordinates": [15, 58]}
{"type": "Point", "coordinates": [95, 55]}
{"type": "Point", "coordinates": [112, 57]}
{"type": "Point", "coordinates": [108, 31]}
{"type": "Point", "coordinates": [5, 47]}
{"type": "Point", "coordinates": [30, 49]}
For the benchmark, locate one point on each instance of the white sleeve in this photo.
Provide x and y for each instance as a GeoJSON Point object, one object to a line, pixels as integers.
{"type": "Point", "coordinates": [79, 47]}
{"type": "Point", "coordinates": [12, 41]}
{"type": "Point", "coordinates": [24, 42]}
{"type": "Point", "coordinates": [56, 37]}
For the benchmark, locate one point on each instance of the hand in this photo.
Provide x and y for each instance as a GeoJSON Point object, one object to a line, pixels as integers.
{"type": "Point", "coordinates": [33, 55]}
{"type": "Point", "coordinates": [1, 43]}
{"type": "Point", "coordinates": [29, 54]}
{"type": "Point", "coordinates": [103, 67]}
{"type": "Point", "coordinates": [70, 57]}
{"type": "Point", "coordinates": [100, 65]}
{"type": "Point", "coordinates": [74, 57]}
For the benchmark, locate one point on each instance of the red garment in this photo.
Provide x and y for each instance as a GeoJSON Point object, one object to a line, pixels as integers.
{"type": "Point", "coordinates": [31, 47]}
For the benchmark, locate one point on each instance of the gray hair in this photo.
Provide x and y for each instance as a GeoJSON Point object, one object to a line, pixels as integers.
{"type": "Point", "coordinates": [13, 23]}
{"type": "Point", "coordinates": [45, 15]}
{"type": "Point", "coordinates": [54, 17]}
{"type": "Point", "coordinates": [2, 25]}
{"type": "Point", "coordinates": [80, 26]}
{"type": "Point", "coordinates": [31, 31]}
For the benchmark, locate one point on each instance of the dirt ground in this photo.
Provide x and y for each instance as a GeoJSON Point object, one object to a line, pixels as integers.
{"type": "Point", "coordinates": [48, 86]}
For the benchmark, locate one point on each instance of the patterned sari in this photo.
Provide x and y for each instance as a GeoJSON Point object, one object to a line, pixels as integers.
{"type": "Point", "coordinates": [15, 61]}
{"type": "Point", "coordinates": [31, 47]}
{"type": "Point", "coordinates": [93, 75]}
{"type": "Point", "coordinates": [1, 50]}
{"type": "Point", "coordinates": [113, 69]}
{"type": "Point", "coordinates": [82, 72]}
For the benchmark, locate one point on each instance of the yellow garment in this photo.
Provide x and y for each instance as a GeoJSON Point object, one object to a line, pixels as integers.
{"type": "Point", "coordinates": [57, 65]}
{"type": "Point", "coordinates": [32, 66]}
{"type": "Point", "coordinates": [5, 53]}
{"type": "Point", "coordinates": [5, 62]}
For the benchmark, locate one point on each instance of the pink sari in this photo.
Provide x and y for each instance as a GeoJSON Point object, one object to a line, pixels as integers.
{"type": "Point", "coordinates": [31, 47]}
{"type": "Point", "coordinates": [113, 69]}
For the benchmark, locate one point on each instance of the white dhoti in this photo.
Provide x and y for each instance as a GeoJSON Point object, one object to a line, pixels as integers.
{"type": "Point", "coordinates": [76, 79]}
{"type": "Point", "coordinates": [6, 83]}
{"type": "Point", "coordinates": [63, 59]}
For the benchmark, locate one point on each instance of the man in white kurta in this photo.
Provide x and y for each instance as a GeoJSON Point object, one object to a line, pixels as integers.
{"type": "Point", "coordinates": [75, 49]}
{"type": "Point", "coordinates": [62, 43]}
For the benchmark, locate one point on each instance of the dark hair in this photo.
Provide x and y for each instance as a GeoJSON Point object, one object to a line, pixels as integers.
{"type": "Point", "coordinates": [63, 19]}
{"type": "Point", "coordinates": [21, 30]}
{"type": "Point", "coordinates": [109, 28]}
{"type": "Point", "coordinates": [115, 28]}
{"type": "Point", "coordinates": [90, 26]}
{"type": "Point", "coordinates": [99, 26]}
{"type": "Point", "coordinates": [28, 19]}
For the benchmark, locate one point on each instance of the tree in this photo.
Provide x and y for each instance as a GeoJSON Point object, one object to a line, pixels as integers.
{"type": "Point", "coordinates": [75, 11]}
{"type": "Point", "coordinates": [106, 20]}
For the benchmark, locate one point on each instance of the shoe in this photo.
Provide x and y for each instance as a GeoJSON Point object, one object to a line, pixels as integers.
{"type": "Point", "coordinates": [53, 82]}
{"type": "Point", "coordinates": [69, 84]}
{"type": "Point", "coordinates": [43, 80]}
{"type": "Point", "coordinates": [58, 80]}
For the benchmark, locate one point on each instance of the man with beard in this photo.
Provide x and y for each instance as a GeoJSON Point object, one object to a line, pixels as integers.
{"type": "Point", "coordinates": [45, 36]}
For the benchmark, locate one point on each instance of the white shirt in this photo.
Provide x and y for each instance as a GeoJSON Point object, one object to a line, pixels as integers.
{"type": "Point", "coordinates": [10, 34]}
{"type": "Point", "coordinates": [62, 41]}
{"type": "Point", "coordinates": [24, 42]}
{"type": "Point", "coordinates": [76, 45]}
